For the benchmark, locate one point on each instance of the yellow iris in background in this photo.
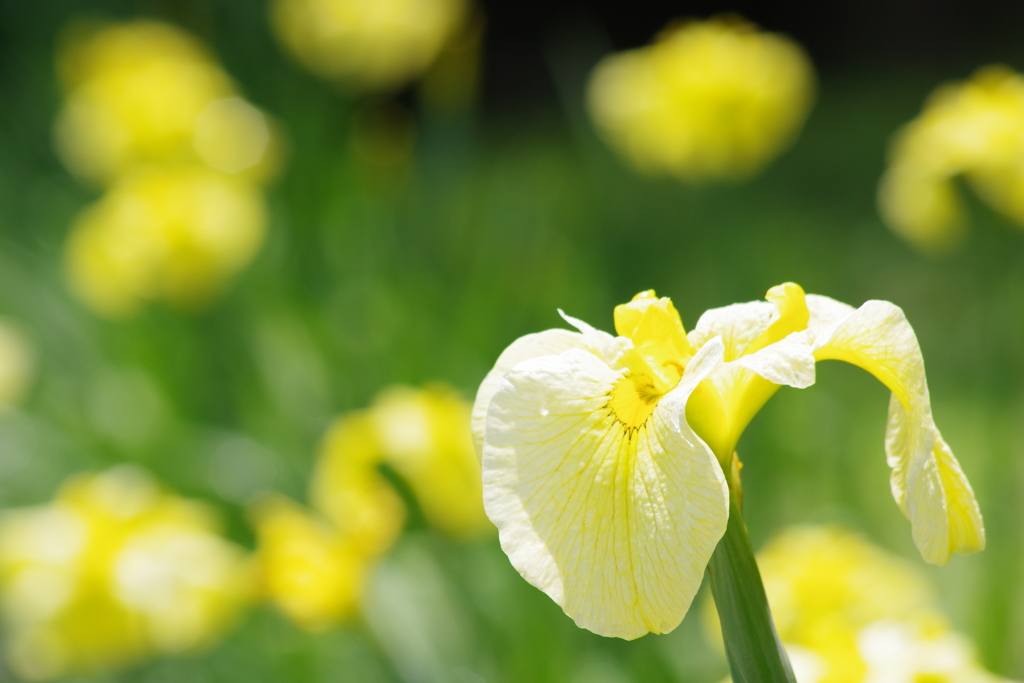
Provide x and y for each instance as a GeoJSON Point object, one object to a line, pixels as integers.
{"type": "Point", "coordinates": [369, 44]}
{"type": "Point", "coordinates": [973, 130]}
{"type": "Point", "coordinates": [145, 92]}
{"type": "Point", "coordinates": [849, 612]}
{"type": "Point", "coordinates": [708, 100]}
{"type": "Point", "coordinates": [315, 564]}
{"type": "Point", "coordinates": [149, 114]}
{"type": "Point", "coordinates": [603, 455]}
{"type": "Point", "coordinates": [174, 233]}
{"type": "Point", "coordinates": [114, 570]}
{"type": "Point", "coordinates": [17, 361]}
{"type": "Point", "coordinates": [424, 437]}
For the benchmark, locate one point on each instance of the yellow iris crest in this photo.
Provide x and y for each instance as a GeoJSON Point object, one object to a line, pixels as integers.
{"type": "Point", "coordinates": [603, 456]}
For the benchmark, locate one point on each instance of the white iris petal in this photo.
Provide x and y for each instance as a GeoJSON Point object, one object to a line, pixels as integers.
{"type": "Point", "coordinates": [614, 524]}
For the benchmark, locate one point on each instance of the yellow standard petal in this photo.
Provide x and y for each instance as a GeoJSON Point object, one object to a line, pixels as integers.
{"type": "Point", "coordinates": [927, 482]}
{"type": "Point", "coordinates": [760, 355]}
{"type": "Point", "coordinates": [604, 498]}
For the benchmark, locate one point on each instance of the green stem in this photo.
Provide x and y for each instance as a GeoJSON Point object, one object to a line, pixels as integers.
{"type": "Point", "coordinates": [751, 643]}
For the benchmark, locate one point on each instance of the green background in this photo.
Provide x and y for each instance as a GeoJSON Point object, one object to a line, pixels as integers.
{"type": "Point", "coordinates": [370, 278]}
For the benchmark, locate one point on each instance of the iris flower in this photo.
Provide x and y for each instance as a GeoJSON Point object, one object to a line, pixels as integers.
{"type": "Point", "coordinates": [906, 653]}
{"type": "Point", "coordinates": [315, 563]}
{"type": "Point", "coordinates": [849, 612]}
{"type": "Point", "coordinates": [972, 130]}
{"type": "Point", "coordinates": [708, 100]}
{"type": "Point", "coordinates": [16, 365]}
{"type": "Point", "coordinates": [423, 436]}
{"type": "Point", "coordinates": [174, 233]}
{"type": "Point", "coordinates": [369, 44]}
{"type": "Point", "coordinates": [603, 455]}
{"type": "Point", "coordinates": [313, 571]}
{"type": "Point", "coordinates": [143, 92]}
{"type": "Point", "coordinates": [114, 570]}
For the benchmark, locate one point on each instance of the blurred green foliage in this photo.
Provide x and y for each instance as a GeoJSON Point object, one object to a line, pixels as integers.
{"type": "Point", "coordinates": [372, 276]}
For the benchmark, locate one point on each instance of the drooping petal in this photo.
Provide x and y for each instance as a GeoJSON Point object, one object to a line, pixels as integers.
{"type": "Point", "coordinates": [546, 343]}
{"type": "Point", "coordinates": [927, 482]}
{"type": "Point", "coordinates": [615, 524]}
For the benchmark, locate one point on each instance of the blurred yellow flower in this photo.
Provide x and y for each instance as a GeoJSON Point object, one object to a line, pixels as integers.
{"type": "Point", "coordinates": [174, 233]}
{"type": "Point", "coordinates": [713, 99]}
{"type": "Point", "coordinates": [348, 487]}
{"type": "Point", "coordinates": [603, 456]}
{"type": "Point", "coordinates": [370, 44]}
{"type": "Point", "coordinates": [825, 584]}
{"type": "Point", "coordinates": [16, 364]}
{"type": "Point", "coordinates": [314, 563]}
{"type": "Point", "coordinates": [114, 570]}
{"type": "Point", "coordinates": [973, 129]}
{"type": "Point", "coordinates": [425, 437]}
{"type": "Point", "coordinates": [311, 570]}
{"type": "Point", "coordinates": [149, 113]}
{"type": "Point", "coordinates": [909, 653]}
{"type": "Point", "coordinates": [852, 613]}
{"type": "Point", "coordinates": [144, 92]}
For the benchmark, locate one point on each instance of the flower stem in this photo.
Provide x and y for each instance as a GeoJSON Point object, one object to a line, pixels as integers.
{"type": "Point", "coordinates": [751, 643]}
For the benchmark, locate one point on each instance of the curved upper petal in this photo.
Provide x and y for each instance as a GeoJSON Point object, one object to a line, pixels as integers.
{"type": "Point", "coordinates": [826, 311]}
{"type": "Point", "coordinates": [614, 524]}
{"type": "Point", "coordinates": [765, 346]}
{"type": "Point", "coordinates": [926, 480]}
{"type": "Point", "coordinates": [765, 337]}
{"type": "Point", "coordinates": [788, 362]}
{"type": "Point", "coordinates": [737, 324]}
